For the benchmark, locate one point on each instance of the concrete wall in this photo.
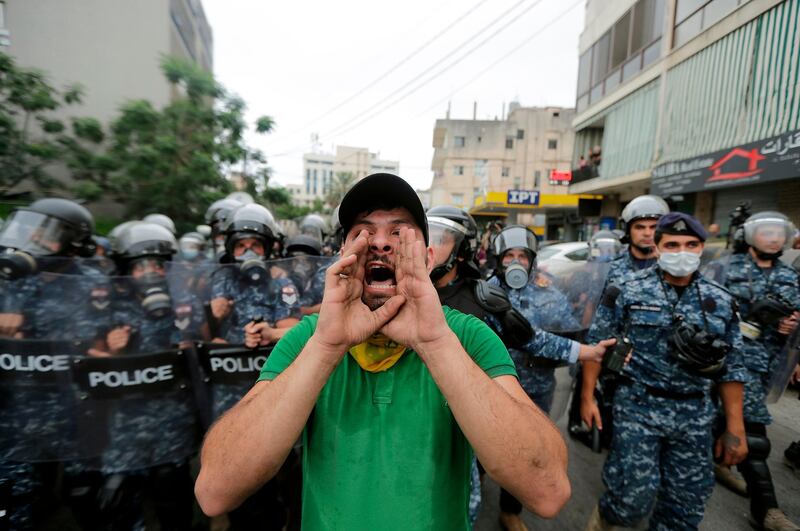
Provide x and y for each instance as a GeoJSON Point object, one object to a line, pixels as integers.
{"type": "Point", "coordinates": [111, 47]}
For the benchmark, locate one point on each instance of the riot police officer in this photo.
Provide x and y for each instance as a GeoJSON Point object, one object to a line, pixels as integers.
{"type": "Point", "coordinates": [256, 308]}
{"type": "Point", "coordinates": [192, 247]}
{"type": "Point", "coordinates": [216, 214]}
{"type": "Point", "coordinates": [685, 334]}
{"type": "Point", "coordinates": [246, 291]}
{"type": "Point", "coordinates": [453, 237]}
{"type": "Point", "coordinates": [768, 293]}
{"type": "Point", "coordinates": [639, 218]}
{"type": "Point", "coordinates": [47, 295]}
{"type": "Point", "coordinates": [545, 307]}
{"type": "Point", "coordinates": [148, 316]}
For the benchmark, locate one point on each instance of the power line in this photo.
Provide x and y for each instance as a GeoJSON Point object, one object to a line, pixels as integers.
{"type": "Point", "coordinates": [335, 130]}
{"type": "Point", "coordinates": [504, 57]}
{"type": "Point", "coordinates": [394, 67]}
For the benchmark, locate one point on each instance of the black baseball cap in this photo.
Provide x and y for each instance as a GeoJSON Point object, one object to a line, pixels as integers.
{"type": "Point", "coordinates": [381, 191]}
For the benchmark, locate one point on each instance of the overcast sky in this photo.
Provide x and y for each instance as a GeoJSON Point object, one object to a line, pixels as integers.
{"type": "Point", "coordinates": [377, 74]}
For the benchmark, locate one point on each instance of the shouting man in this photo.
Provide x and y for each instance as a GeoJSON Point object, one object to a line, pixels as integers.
{"type": "Point", "coordinates": [390, 391]}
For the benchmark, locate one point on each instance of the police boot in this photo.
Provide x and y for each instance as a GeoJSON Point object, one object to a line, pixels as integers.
{"type": "Point", "coordinates": [728, 478]}
{"type": "Point", "coordinates": [776, 520]}
{"type": "Point", "coordinates": [512, 522]}
{"type": "Point", "coordinates": [596, 522]}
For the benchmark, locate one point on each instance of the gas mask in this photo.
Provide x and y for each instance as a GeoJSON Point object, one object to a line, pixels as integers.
{"type": "Point", "coordinates": [16, 264]}
{"type": "Point", "coordinates": [154, 295]}
{"type": "Point", "coordinates": [680, 264]}
{"type": "Point", "coordinates": [516, 275]}
{"type": "Point", "coordinates": [252, 266]}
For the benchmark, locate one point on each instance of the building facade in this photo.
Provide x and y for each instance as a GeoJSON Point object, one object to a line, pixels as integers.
{"type": "Point", "coordinates": [320, 169]}
{"type": "Point", "coordinates": [694, 100]}
{"type": "Point", "coordinates": [111, 47]}
{"type": "Point", "coordinates": [516, 168]}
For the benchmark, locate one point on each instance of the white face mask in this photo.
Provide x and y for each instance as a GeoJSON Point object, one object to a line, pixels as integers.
{"type": "Point", "coordinates": [679, 264]}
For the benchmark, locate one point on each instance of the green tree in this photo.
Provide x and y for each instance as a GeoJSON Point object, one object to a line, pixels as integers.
{"type": "Point", "coordinates": [32, 141]}
{"type": "Point", "coordinates": [340, 184]}
{"type": "Point", "coordinates": [173, 160]}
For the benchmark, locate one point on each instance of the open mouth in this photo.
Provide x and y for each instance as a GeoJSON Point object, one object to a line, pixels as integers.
{"type": "Point", "coordinates": [380, 276]}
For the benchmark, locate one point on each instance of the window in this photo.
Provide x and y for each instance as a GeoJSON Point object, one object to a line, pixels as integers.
{"type": "Point", "coordinates": [479, 139]}
{"type": "Point", "coordinates": [315, 182]}
{"type": "Point", "coordinates": [458, 199]}
{"type": "Point", "coordinates": [621, 52]}
{"type": "Point", "coordinates": [308, 182]}
{"type": "Point", "coordinates": [459, 141]}
{"type": "Point", "coordinates": [517, 182]}
{"type": "Point", "coordinates": [506, 171]}
{"type": "Point", "coordinates": [556, 114]}
{"type": "Point", "coordinates": [537, 176]}
{"type": "Point", "coordinates": [552, 143]}
{"type": "Point", "coordinates": [520, 134]}
{"type": "Point", "coordinates": [694, 16]}
{"type": "Point", "coordinates": [509, 142]}
{"type": "Point", "coordinates": [458, 170]}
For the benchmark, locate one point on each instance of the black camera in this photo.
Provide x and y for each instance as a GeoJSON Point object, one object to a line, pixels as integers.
{"type": "Point", "coordinates": [614, 359]}
{"type": "Point", "coordinates": [768, 311]}
{"type": "Point", "coordinates": [697, 350]}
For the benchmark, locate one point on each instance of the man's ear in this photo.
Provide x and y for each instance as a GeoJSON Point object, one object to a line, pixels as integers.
{"type": "Point", "coordinates": [429, 259]}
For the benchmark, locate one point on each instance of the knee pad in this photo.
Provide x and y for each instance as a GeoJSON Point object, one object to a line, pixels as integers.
{"type": "Point", "coordinates": [758, 446]}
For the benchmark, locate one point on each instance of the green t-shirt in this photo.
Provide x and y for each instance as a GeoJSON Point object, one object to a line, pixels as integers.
{"type": "Point", "coordinates": [382, 451]}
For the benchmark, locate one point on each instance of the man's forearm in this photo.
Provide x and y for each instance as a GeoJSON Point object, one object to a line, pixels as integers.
{"type": "Point", "coordinates": [732, 396]}
{"type": "Point", "coordinates": [515, 441]}
{"type": "Point", "coordinates": [247, 446]}
{"type": "Point", "coordinates": [591, 372]}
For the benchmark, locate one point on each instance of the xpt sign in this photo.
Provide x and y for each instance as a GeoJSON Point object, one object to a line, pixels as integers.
{"type": "Point", "coordinates": [522, 197]}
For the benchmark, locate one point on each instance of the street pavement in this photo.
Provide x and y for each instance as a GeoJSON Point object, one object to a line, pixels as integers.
{"type": "Point", "coordinates": [725, 510]}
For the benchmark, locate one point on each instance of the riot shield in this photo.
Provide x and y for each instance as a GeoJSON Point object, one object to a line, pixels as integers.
{"type": "Point", "coordinates": [714, 264]}
{"type": "Point", "coordinates": [267, 291]}
{"type": "Point", "coordinates": [229, 372]}
{"type": "Point", "coordinates": [151, 417]}
{"type": "Point", "coordinates": [580, 286]}
{"type": "Point", "coordinates": [41, 416]}
{"type": "Point", "coordinates": [48, 320]}
{"type": "Point", "coordinates": [567, 299]}
{"type": "Point", "coordinates": [783, 366]}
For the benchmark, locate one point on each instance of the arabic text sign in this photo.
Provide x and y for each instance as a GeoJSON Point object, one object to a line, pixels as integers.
{"type": "Point", "coordinates": [771, 159]}
{"type": "Point", "coordinates": [522, 197]}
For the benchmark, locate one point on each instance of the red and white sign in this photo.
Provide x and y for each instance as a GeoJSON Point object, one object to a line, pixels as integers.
{"type": "Point", "coordinates": [562, 176]}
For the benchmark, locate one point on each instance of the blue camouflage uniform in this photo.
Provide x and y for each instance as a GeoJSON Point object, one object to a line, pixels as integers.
{"type": "Point", "coordinates": [661, 452]}
{"type": "Point", "coordinates": [69, 306]}
{"type": "Point", "coordinates": [153, 430]}
{"type": "Point", "coordinates": [625, 264]}
{"type": "Point", "coordinates": [313, 291]}
{"type": "Point", "coordinates": [748, 283]}
{"type": "Point", "coordinates": [545, 308]}
{"type": "Point", "coordinates": [273, 300]}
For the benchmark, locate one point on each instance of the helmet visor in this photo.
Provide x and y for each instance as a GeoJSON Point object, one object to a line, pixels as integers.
{"type": "Point", "coordinates": [769, 234]}
{"type": "Point", "coordinates": [605, 247]}
{"type": "Point", "coordinates": [512, 237]}
{"type": "Point", "coordinates": [313, 231]}
{"type": "Point", "coordinates": [445, 238]}
{"type": "Point", "coordinates": [33, 232]}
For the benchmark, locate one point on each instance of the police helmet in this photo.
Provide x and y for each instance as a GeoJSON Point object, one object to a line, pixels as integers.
{"type": "Point", "coordinates": [460, 216]}
{"type": "Point", "coordinates": [782, 227]}
{"type": "Point", "coordinates": [242, 197]}
{"type": "Point", "coordinates": [303, 244]}
{"type": "Point", "coordinates": [315, 226]}
{"type": "Point", "coordinates": [513, 237]}
{"type": "Point", "coordinates": [604, 244]}
{"type": "Point", "coordinates": [643, 207]}
{"type": "Point", "coordinates": [219, 210]}
{"type": "Point", "coordinates": [250, 221]}
{"type": "Point", "coordinates": [50, 227]}
{"type": "Point", "coordinates": [144, 239]}
{"type": "Point", "coordinates": [163, 220]}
